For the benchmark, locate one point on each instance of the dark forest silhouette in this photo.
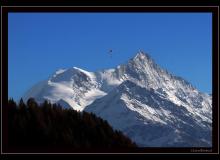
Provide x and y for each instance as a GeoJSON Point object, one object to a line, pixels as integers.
{"type": "Point", "coordinates": [49, 125]}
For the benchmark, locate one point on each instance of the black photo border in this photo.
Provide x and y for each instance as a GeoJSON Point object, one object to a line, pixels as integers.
{"type": "Point", "coordinates": [5, 149]}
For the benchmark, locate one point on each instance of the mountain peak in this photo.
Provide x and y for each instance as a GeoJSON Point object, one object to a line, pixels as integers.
{"type": "Point", "coordinates": [142, 55]}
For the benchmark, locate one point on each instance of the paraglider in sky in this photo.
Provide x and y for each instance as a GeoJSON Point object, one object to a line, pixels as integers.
{"type": "Point", "coordinates": [110, 52]}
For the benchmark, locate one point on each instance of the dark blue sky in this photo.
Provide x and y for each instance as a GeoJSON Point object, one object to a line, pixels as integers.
{"type": "Point", "coordinates": [41, 43]}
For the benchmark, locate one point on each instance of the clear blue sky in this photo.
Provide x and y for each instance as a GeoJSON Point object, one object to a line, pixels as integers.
{"type": "Point", "coordinates": [41, 43]}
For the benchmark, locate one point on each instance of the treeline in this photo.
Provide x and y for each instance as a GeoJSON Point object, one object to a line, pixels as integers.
{"type": "Point", "coordinates": [49, 125]}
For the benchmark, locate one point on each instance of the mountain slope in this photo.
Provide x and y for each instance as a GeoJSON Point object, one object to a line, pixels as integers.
{"type": "Point", "coordinates": [149, 119]}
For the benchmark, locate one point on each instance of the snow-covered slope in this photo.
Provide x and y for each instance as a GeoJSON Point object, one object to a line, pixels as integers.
{"type": "Point", "coordinates": [150, 105]}
{"type": "Point", "coordinates": [151, 119]}
{"type": "Point", "coordinates": [75, 86]}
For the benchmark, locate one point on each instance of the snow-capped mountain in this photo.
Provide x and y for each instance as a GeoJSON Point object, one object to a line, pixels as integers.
{"type": "Point", "coordinates": [150, 105]}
